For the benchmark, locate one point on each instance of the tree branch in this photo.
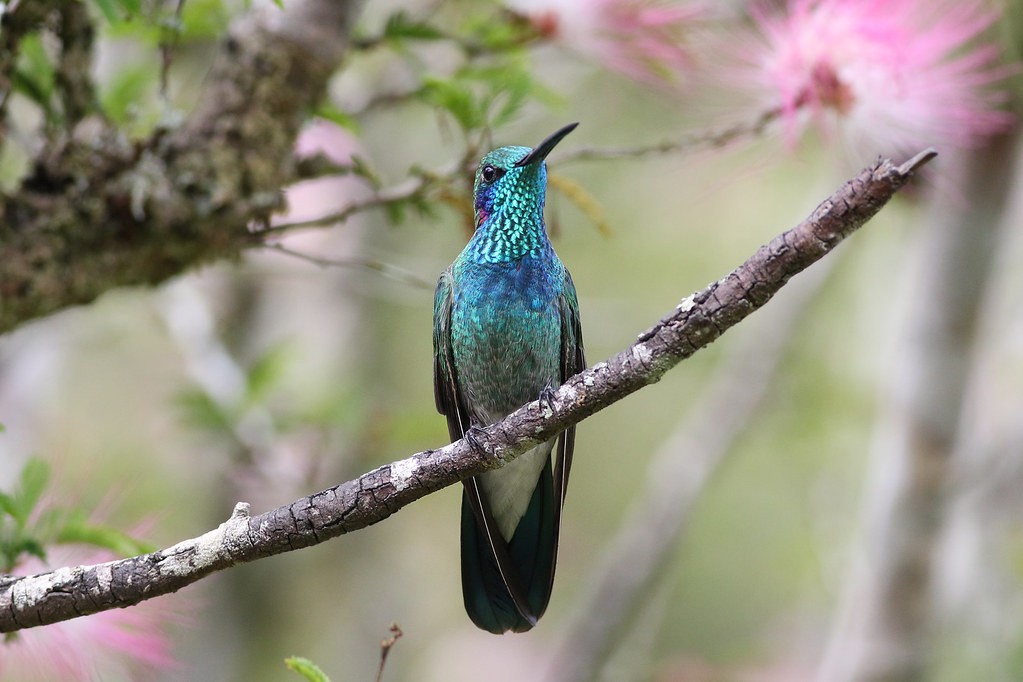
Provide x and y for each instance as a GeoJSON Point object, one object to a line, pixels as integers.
{"type": "Point", "coordinates": [74, 64]}
{"type": "Point", "coordinates": [697, 321]}
{"type": "Point", "coordinates": [414, 187]}
{"type": "Point", "coordinates": [15, 24]}
{"type": "Point", "coordinates": [95, 215]}
{"type": "Point", "coordinates": [398, 274]}
{"type": "Point", "coordinates": [711, 139]}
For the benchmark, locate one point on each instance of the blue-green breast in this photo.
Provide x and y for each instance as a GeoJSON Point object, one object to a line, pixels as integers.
{"type": "Point", "coordinates": [506, 330]}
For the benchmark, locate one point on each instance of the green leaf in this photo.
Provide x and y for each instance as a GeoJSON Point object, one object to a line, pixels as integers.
{"type": "Point", "coordinates": [401, 26]}
{"type": "Point", "coordinates": [145, 33]}
{"type": "Point", "coordinates": [424, 206]}
{"type": "Point", "coordinates": [497, 34]}
{"type": "Point", "coordinates": [131, 7]}
{"type": "Point", "coordinates": [396, 211]}
{"type": "Point", "coordinates": [456, 98]}
{"type": "Point", "coordinates": [204, 20]}
{"type": "Point", "coordinates": [78, 530]}
{"type": "Point", "coordinates": [362, 168]}
{"type": "Point", "coordinates": [306, 668]}
{"type": "Point", "coordinates": [508, 86]}
{"type": "Point", "coordinates": [27, 545]}
{"type": "Point", "coordinates": [108, 8]}
{"type": "Point", "coordinates": [25, 85]}
{"type": "Point", "coordinates": [201, 410]}
{"type": "Point", "coordinates": [119, 11]}
{"type": "Point", "coordinates": [265, 373]}
{"type": "Point", "coordinates": [127, 89]}
{"type": "Point", "coordinates": [31, 484]}
{"type": "Point", "coordinates": [47, 524]}
{"type": "Point", "coordinates": [35, 74]}
{"type": "Point", "coordinates": [7, 504]}
{"type": "Point", "coordinates": [329, 112]}
{"type": "Point", "coordinates": [18, 506]}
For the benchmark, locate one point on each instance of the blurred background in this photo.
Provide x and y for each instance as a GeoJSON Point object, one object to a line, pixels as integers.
{"type": "Point", "coordinates": [831, 491]}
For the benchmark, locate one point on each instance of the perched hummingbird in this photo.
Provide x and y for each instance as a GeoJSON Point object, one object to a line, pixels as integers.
{"type": "Point", "coordinates": [505, 331]}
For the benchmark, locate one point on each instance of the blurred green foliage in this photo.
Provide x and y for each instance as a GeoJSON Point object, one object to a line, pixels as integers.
{"type": "Point", "coordinates": [29, 522]}
{"type": "Point", "coordinates": [34, 75]}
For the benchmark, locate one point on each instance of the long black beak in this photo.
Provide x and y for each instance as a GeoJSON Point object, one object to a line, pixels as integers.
{"type": "Point", "coordinates": [540, 151]}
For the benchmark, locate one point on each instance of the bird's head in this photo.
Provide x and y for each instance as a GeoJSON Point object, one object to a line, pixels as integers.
{"type": "Point", "coordinates": [514, 178]}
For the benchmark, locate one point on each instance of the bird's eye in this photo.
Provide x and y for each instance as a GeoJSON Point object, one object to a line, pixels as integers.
{"type": "Point", "coordinates": [490, 173]}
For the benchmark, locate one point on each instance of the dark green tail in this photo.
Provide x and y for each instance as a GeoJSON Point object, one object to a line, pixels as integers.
{"type": "Point", "coordinates": [527, 562]}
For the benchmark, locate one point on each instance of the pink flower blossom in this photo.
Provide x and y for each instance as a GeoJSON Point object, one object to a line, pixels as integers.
{"type": "Point", "coordinates": [639, 39]}
{"type": "Point", "coordinates": [894, 74]}
{"type": "Point", "coordinates": [118, 644]}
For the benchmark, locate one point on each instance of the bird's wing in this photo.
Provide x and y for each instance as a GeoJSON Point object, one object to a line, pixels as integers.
{"type": "Point", "coordinates": [450, 401]}
{"type": "Point", "coordinates": [573, 361]}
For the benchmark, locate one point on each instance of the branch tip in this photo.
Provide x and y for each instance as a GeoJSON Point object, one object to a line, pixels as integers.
{"type": "Point", "coordinates": [918, 161]}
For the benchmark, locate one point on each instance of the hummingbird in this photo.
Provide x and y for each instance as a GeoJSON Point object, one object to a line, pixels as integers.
{"type": "Point", "coordinates": [506, 332]}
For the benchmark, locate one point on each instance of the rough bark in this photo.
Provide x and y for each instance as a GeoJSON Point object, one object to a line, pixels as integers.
{"type": "Point", "coordinates": [886, 626]}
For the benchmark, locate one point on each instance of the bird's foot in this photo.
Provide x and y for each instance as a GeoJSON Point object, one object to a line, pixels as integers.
{"type": "Point", "coordinates": [472, 436]}
{"type": "Point", "coordinates": [546, 399]}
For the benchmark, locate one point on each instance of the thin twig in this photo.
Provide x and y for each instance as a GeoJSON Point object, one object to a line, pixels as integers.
{"type": "Point", "coordinates": [321, 165]}
{"type": "Point", "coordinates": [73, 74]}
{"type": "Point", "coordinates": [525, 36]}
{"type": "Point", "coordinates": [415, 187]}
{"type": "Point", "coordinates": [169, 39]}
{"type": "Point", "coordinates": [385, 648]}
{"type": "Point", "coordinates": [393, 272]}
{"type": "Point", "coordinates": [711, 139]}
{"type": "Point", "coordinates": [16, 24]}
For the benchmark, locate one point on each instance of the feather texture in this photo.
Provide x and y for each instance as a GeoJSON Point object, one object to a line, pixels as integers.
{"type": "Point", "coordinates": [506, 328]}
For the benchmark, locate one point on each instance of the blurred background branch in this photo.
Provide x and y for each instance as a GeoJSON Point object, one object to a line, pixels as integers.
{"type": "Point", "coordinates": [891, 620]}
{"type": "Point", "coordinates": [632, 568]}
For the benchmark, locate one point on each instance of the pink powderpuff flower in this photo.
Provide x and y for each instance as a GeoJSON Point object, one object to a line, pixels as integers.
{"type": "Point", "coordinates": [124, 644]}
{"type": "Point", "coordinates": [636, 38]}
{"type": "Point", "coordinates": [890, 74]}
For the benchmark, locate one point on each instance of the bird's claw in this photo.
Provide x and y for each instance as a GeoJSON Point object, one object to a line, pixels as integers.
{"type": "Point", "coordinates": [472, 436]}
{"type": "Point", "coordinates": [546, 398]}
